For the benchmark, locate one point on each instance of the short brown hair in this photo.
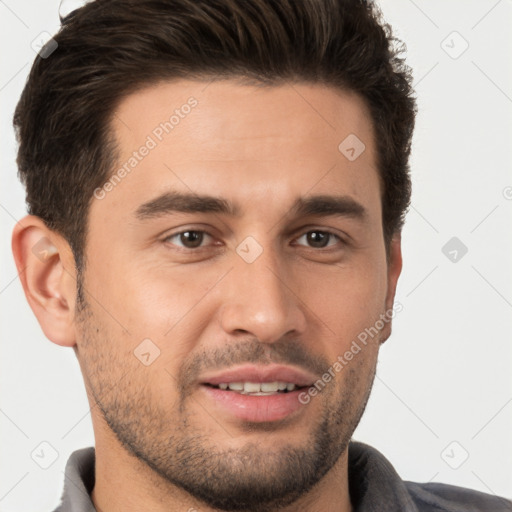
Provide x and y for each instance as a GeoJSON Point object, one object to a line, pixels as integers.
{"type": "Point", "coordinates": [110, 48]}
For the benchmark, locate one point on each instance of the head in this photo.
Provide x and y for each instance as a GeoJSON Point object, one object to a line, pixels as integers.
{"type": "Point", "coordinates": [218, 184]}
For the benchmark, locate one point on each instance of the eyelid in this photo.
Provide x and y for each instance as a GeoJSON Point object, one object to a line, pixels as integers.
{"type": "Point", "coordinates": [326, 231]}
{"type": "Point", "coordinates": [302, 230]}
{"type": "Point", "coordinates": [300, 233]}
{"type": "Point", "coordinates": [167, 237]}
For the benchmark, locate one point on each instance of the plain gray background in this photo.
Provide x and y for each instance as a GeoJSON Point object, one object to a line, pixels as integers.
{"type": "Point", "coordinates": [441, 408]}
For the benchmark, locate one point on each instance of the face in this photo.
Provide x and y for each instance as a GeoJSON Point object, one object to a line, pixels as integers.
{"type": "Point", "coordinates": [242, 249]}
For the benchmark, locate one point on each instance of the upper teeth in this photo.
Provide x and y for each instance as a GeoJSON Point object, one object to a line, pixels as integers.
{"type": "Point", "coordinates": [257, 387]}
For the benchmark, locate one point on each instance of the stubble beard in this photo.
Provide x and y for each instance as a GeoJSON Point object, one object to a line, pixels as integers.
{"type": "Point", "coordinates": [180, 451]}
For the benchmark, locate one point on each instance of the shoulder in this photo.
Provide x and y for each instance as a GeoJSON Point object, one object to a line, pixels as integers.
{"type": "Point", "coordinates": [435, 497]}
{"type": "Point", "coordinates": [375, 486]}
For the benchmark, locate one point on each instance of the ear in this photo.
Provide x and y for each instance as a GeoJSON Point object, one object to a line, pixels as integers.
{"type": "Point", "coordinates": [47, 272]}
{"type": "Point", "coordinates": [394, 270]}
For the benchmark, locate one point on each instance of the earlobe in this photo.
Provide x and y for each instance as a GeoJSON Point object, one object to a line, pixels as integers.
{"type": "Point", "coordinates": [47, 273]}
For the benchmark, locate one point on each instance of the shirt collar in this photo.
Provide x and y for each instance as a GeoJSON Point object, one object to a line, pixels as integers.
{"type": "Point", "coordinates": [78, 482]}
{"type": "Point", "coordinates": [373, 482]}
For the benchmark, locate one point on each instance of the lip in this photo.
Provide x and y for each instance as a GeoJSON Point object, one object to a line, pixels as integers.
{"type": "Point", "coordinates": [255, 408]}
{"type": "Point", "coordinates": [268, 373]}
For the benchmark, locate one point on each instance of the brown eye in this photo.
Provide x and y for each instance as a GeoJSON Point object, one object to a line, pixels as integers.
{"type": "Point", "coordinates": [191, 239]}
{"type": "Point", "coordinates": [318, 239]}
{"type": "Point", "coordinates": [188, 239]}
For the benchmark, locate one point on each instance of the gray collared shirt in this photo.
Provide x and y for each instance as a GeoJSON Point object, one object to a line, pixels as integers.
{"type": "Point", "coordinates": [374, 487]}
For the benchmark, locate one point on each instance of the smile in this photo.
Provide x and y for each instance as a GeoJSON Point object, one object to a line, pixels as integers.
{"type": "Point", "coordinates": [256, 388]}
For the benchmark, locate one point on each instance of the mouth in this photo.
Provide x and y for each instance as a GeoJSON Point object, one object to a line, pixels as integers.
{"type": "Point", "coordinates": [257, 393]}
{"type": "Point", "coordinates": [257, 388]}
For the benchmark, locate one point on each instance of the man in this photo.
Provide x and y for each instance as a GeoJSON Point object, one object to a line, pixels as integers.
{"type": "Point", "coordinates": [216, 193]}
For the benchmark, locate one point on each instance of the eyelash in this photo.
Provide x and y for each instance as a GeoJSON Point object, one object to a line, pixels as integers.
{"type": "Point", "coordinates": [196, 249]}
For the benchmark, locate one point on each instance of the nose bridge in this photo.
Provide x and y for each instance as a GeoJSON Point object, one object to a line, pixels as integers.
{"type": "Point", "coordinates": [266, 283]}
{"type": "Point", "coordinates": [261, 301]}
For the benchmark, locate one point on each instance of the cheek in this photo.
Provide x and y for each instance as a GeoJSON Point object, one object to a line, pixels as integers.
{"type": "Point", "coordinates": [350, 304]}
{"type": "Point", "coordinates": [160, 301]}
{"type": "Point", "coordinates": [347, 297]}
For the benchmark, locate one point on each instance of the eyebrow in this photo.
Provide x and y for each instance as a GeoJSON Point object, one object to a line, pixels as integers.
{"type": "Point", "coordinates": [325, 205]}
{"type": "Point", "coordinates": [319, 205]}
{"type": "Point", "coordinates": [171, 202]}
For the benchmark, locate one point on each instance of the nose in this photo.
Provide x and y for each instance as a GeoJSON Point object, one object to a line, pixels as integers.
{"type": "Point", "coordinates": [260, 300]}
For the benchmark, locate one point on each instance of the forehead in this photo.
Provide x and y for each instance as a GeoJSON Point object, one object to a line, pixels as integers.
{"type": "Point", "coordinates": [233, 140]}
